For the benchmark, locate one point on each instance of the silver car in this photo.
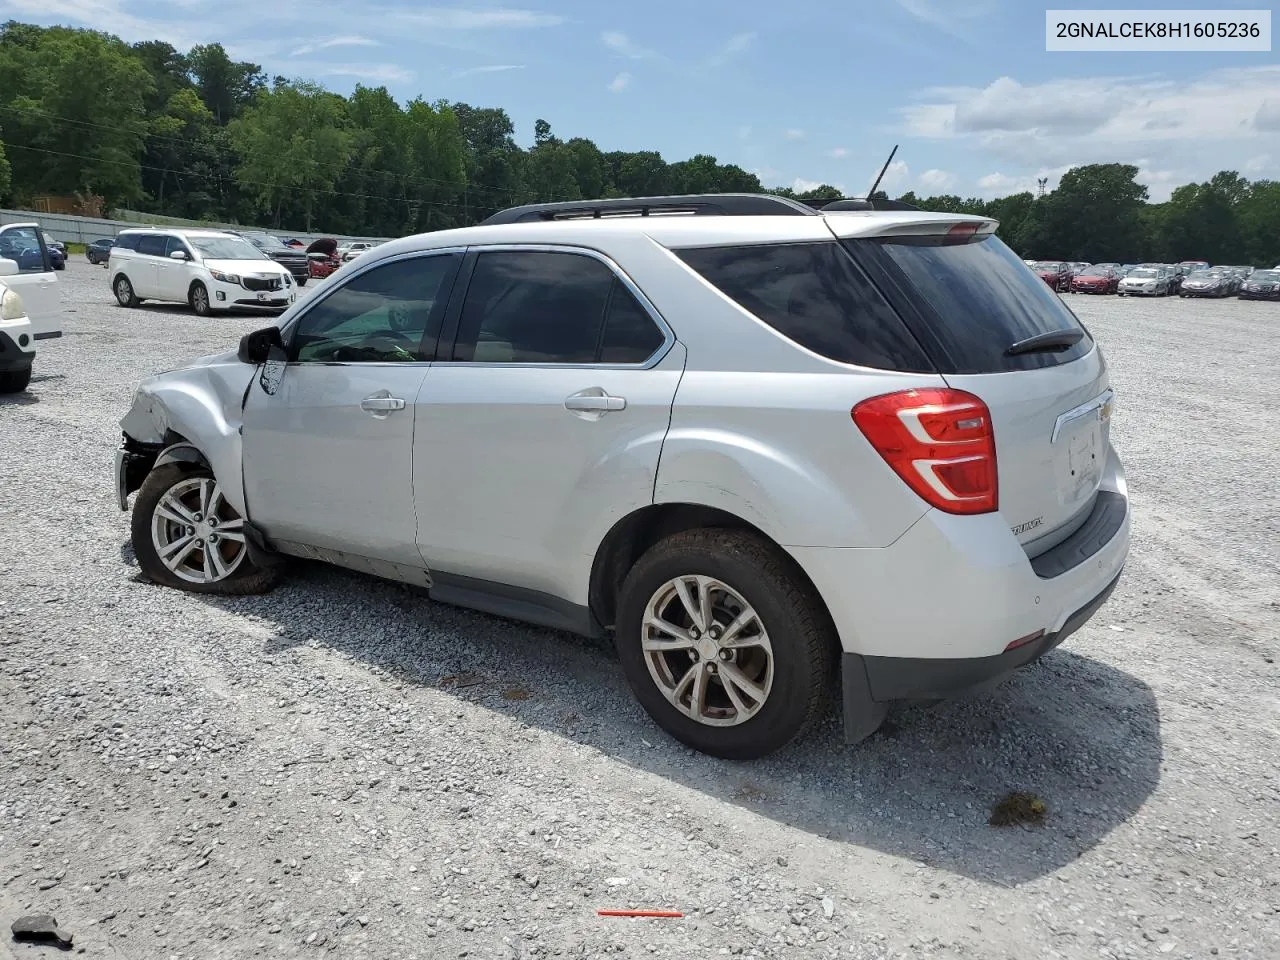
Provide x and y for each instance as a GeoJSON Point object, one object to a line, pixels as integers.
{"type": "Point", "coordinates": [775, 453]}
{"type": "Point", "coordinates": [1144, 282]}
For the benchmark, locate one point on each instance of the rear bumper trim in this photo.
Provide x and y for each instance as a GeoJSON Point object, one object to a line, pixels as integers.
{"type": "Point", "coordinates": [1104, 522]}
{"type": "Point", "coordinates": [870, 682]}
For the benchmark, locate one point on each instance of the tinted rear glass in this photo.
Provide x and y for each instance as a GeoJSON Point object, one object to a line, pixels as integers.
{"type": "Point", "coordinates": [968, 303]}
{"type": "Point", "coordinates": [815, 295]}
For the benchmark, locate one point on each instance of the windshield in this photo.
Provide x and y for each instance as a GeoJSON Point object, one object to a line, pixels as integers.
{"type": "Point", "coordinates": [1142, 274]}
{"type": "Point", "coordinates": [226, 248]}
{"type": "Point", "coordinates": [264, 241]}
{"type": "Point", "coordinates": [1267, 276]}
{"type": "Point", "coordinates": [1096, 272]}
{"type": "Point", "coordinates": [1049, 265]}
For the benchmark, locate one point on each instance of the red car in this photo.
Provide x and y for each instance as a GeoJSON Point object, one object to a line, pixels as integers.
{"type": "Point", "coordinates": [1095, 280]}
{"type": "Point", "coordinates": [322, 258]}
{"type": "Point", "coordinates": [1055, 273]}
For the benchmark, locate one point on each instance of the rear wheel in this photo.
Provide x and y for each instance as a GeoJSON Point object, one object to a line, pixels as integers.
{"type": "Point", "coordinates": [301, 281]}
{"type": "Point", "coordinates": [724, 643]}
{"type": "Point", "coordinates": [15, 381]}
{"type": "Point", "coordinates": [199, 299]}
{"type": "Point", "coordinates": [186, 535]}
{"type": "Point", "coordinates": [124, 292]}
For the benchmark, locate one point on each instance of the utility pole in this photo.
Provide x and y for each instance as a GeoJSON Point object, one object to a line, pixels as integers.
{"type": "Point", "coordinates": [1043, 181]}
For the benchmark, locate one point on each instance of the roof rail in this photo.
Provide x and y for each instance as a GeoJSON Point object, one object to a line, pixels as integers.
{"type": "Point", "coordinates": [859, 203]}
{"type": "Point", "coordinates": [709, 204]}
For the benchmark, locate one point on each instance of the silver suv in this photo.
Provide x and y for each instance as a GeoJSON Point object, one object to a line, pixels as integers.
{"type": "Point", "coordinates": [778, 453]}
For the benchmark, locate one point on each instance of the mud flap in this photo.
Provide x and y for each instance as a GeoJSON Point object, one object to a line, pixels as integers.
{"type": "Point", "coordinates": [862, 714]}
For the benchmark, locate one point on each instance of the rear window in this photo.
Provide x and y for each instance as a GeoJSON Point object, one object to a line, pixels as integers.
{"type": "Point", "coordinates": [969, 302]}
{"type": "Point", "coordinates": [816, 296]}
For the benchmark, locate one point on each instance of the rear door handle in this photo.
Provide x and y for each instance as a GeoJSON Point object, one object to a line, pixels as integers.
{"type": "Point", "coordinates": [595, 401]}
{"type": "Point", "coordinates": [381, 404]}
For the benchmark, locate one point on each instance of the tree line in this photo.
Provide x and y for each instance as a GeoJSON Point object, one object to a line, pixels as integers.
{"type": "Point", "coordinates": [201, 136]}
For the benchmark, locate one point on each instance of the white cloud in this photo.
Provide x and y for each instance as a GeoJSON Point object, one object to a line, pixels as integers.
{"type": "Point", "coordinates": [838, 153]}
{"type": "Point", "coordinates": [373, 72]}
{"type": "Point", "coordinates": [622, 45]}
{"type": "Point", "coordinates": [950, 16]}
{"type": "Point", "coordinates": [737, 44]}
{"type": "Point", "coordinates": [494, 68]}
{"type": "Point", "coordinates": [801, 185]}
{"type": "Point", "coordinates": [456, 18]}
{"type": "Point", "coordinates": [936, 179]}
{"type": "Point", "coordinates": [894, 176]}
{"type": "Point", "coordinates": [1195, 125]}
{"type": "Point", "coordinates": [1001, 184]}
{"type": "Point", "coordinates": [328, 44]}
{"type": "Point", "coordinates": [620, 82]}
{"type": "Point", "coordinates": [1258, 164]}
{"type": "Point", "coordinates": [793, 134]}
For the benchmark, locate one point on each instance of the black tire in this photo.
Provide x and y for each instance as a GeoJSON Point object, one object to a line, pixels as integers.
{"type": "Point", "coordinates": [198, 297]}
{"type": "Point", "coordinates": [124, 292]}
{"type": "Point", "coordinates": [60, 266]}
{"type": "Point", "coordinates": [15, 381]}
{"type": "Point", "coordinates": [301, 281]}
{"type": "Point", "coordinates": [800, 631]}
{"type": "Point", "coordinates": [246, 579]}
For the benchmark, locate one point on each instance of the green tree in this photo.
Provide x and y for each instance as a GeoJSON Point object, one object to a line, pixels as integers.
{"type": "Point", "coordinates": [226, 86]}
{"type": "Point", "coordinates": [293, 142]}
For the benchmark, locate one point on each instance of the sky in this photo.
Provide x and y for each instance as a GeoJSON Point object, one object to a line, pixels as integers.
{"type": "Point", "coordinates": [816, 91]}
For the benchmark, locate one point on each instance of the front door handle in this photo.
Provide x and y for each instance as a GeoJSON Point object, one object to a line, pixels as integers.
{"type": "Point", "coordinates": [594, 400]}
{"type": "Point", "coordinates": [381, 404]}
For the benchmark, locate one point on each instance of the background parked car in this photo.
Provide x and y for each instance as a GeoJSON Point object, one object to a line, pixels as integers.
{"type": "Point", "coordinates": [293, 260]}
{"type": "Point", "coordinates": [1144, 282]}
{"type": "Point", "coordinates": [292, 242]}
{"type": "Point", "coordinates": [322, 257]}
{"type": "Point", "coordinates": [99, 251]}
{"type": "Point", "coordinates": [57, 254]}
{"type": "Point", "coordinates": [352, 249]}
{"type": "Point", "coordinates": [1055, 273]}
{"type": "Point", "coordinates": [1098, 279]}
{"type": "Point", "coordinates": [1214, 282]}
{"type": "Point", "coordinates": [1261, 285]}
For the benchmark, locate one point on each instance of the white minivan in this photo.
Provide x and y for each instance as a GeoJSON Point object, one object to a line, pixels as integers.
{"type": "Point", "coordinates": [209, 269]}
{"type": "Point", "coordinates": [30, 304]}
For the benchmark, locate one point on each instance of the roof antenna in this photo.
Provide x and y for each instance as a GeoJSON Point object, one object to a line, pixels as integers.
{"type": "Point", "coordinates": [883, 170]}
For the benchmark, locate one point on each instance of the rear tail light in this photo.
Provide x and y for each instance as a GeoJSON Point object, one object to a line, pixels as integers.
{"type": "Point", "coordinates": [961, 233]}
{"type": "Point", "coordinates": [939, 441]}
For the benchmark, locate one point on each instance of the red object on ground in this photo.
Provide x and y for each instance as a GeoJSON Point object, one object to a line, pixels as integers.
{"type": "Point", "coordinates": [639, 913]}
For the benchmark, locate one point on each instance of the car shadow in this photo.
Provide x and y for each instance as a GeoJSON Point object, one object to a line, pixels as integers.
{"type": "Point", "coordinates": [1073, 731]}
{"type": "Point", "coordinates": [23, 399]}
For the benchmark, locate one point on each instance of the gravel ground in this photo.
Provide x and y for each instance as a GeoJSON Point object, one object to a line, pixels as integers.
{"type": "Point", "coordinates": [302, 773]}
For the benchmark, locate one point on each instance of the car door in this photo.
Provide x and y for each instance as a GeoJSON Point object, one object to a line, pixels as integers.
{"type": "Point", "coordinates": [173, 277]}
{"type": "Point", "coordinates": [327, 457]}
{"type": "Point", "coordinates": [144, 266]}
{"type": "Point", "coordinates": [543, 425]}
{"type": "Point", "coordinates": [35, 281]}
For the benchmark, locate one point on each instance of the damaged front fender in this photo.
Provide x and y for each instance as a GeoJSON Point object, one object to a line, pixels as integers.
{"type": "Point", "coordinates": [200, 404]}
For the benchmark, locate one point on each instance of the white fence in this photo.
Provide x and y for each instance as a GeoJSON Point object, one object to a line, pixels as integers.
{"type": "Point", "coordinates": [72, 229]}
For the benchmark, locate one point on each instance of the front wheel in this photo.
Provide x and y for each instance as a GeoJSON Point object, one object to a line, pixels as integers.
{"type": "Point", "coordinates": [186, 535]}
{"type": "Point", "coordinates": [15, 381]}
{"type": "Point", "coordinates": [199, 297]}
{"type": "Point", "coordinates": [724, 643]}
{"type": "Point", "coordinates": [301, 281]}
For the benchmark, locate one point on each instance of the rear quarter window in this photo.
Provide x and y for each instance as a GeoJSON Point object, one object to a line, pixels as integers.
{"type": "Point", "coordinates": [969, 302]}
{"type": "Point", "coordinates": [816, 296]}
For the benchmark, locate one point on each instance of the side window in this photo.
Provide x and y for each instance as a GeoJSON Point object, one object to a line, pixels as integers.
{"type": "Point", "coordinates": [533, 306]}
{"type": "Point", "coordinates": [176, 243]}
{"type": "Point", "coordinates": [390, 314]}
{"type": "Point", "coordinates": [152, 245]}
{"type": "Point", "coordinates": [127, 241]}
{"type": "Point", "coordinates": [22, 244]}
{"type": "Point", "coordinates": [814, 295]}
{"type": "Point", "coordinates": [630, 335]}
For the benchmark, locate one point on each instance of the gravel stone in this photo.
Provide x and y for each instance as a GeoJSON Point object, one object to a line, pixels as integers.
{"type": "Point", "coordinates": [211, 771]}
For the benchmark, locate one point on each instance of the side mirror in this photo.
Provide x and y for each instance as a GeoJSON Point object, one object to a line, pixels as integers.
{"type": "Point", "coordinates": [255, 348]}
{"type": "Point", "coordinates": [179, 255]}
{"type": "Point", "coordinates": [8, 268]}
